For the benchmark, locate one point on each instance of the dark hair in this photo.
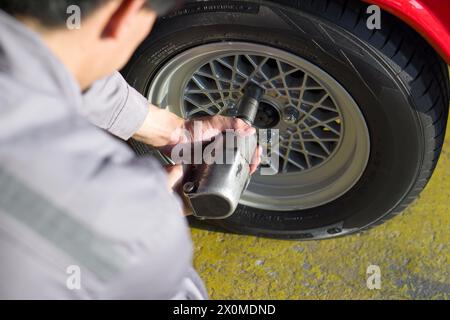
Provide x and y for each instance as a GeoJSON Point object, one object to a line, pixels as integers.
{"type": "Point", "coordinates": [53, 13]}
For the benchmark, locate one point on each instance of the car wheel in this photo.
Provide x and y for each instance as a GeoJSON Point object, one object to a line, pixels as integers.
{"type": "Point", "coordinates": [362, 113]}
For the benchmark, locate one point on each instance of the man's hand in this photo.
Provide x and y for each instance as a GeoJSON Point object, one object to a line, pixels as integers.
{"type": "Point", "coordinates": [213, 126]}
{"type": "Point", "coordinates": [174, 179]}
{"type": "Point", "coordinates": [174, 176]}
{"type": "Point", "coordinates": [163, 129]}
{"type": "Point", "coordinates": [159, 128]}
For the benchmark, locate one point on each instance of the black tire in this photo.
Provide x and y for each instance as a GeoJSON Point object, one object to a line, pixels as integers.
{"type": "Point", "coordinates": [399, 82]}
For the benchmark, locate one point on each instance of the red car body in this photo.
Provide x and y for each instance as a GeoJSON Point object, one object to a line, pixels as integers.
{"type": "Point", "coordinates": [430, 18]}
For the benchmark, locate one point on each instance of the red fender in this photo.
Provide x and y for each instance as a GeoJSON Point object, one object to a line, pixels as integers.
{"type": "Point", "coordinates": [430, 18]}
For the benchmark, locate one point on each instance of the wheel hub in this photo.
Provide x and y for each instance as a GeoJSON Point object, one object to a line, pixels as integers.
{"type": "Point", "coordinates": [268, 115]}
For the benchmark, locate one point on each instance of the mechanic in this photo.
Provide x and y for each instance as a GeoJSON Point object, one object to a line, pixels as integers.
{"type": "Point", "coordinates": [76, 204]}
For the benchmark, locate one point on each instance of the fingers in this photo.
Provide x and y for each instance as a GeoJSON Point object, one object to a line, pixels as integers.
{"type": "Point", "coordinates": [223, 123]}
{"type": "Point", "coordinates": [239, 125]}
{"type": "Point", "coordinates": [174, 179]}
{"type": "Point", "coordinates": [211, 126]}
{"type": "Point", "coordinates": [187, 210]}
{"type": "Point", "coordinates": [174, 176]}
{"type": "Point", "coordinates": [214, 125]}
{"type": "Point", "coordinates": [244, 129]}
{"type": "Point", "coordinates": [256, 160]}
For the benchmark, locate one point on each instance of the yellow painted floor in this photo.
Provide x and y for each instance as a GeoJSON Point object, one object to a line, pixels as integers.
{"type": "Point", "coordinates": [412, 250]}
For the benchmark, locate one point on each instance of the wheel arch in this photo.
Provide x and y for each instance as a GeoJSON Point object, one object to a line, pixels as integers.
{"type": "Point", "coordinates": [426, 17]}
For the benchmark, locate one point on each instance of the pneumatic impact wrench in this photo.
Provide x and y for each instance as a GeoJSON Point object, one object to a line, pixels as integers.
{"type": "Point", "coordinates": [213, 189]}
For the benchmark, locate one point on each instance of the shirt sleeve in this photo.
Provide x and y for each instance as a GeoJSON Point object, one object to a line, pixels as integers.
{"type": "Point", "coordinates": [112, 104]}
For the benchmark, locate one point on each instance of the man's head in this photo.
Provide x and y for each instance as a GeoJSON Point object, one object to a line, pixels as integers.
{"type": "Point", "coordinates": [109, 32]}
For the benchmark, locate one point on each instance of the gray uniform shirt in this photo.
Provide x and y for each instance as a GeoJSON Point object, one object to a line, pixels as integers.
{"type": "Point", "coordinates": [81, 217]}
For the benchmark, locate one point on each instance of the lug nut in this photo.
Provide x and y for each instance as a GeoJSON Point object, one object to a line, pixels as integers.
{"type": "Point", "coordinates": [290, 115]}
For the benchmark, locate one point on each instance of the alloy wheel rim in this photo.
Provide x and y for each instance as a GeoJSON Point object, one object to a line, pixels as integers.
{"type": "Point", "coordinates": [324, 141]}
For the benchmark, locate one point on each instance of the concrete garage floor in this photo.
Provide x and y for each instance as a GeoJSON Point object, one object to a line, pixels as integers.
{"type": "Point", "coordinates": [412, 250]}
